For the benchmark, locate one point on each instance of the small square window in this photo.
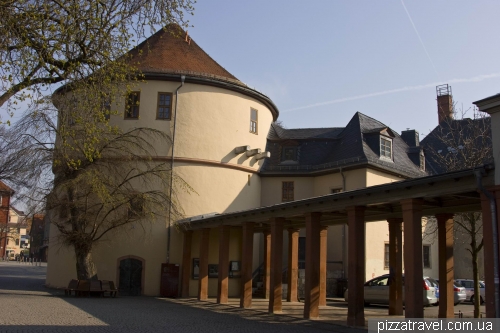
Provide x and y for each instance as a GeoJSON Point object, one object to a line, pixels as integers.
{"type": "Point", "coordinates": [164, 106]}
{"type": "Point", "coordinates": [132, 107]}
{"type": "Point", "coordinates": [335, 190]}
{"type": "Point", "coordinates": [289, 154]}
{"type": "Point", "coordinates": [385, 148]}
{"type": "Point", "coordinates": [287, 191]}
{"type": "Point", "coordinates": [253, 121]}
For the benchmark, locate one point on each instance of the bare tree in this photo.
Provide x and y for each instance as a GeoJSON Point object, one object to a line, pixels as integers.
{"type": "Point", "coordinates": [43, 42]}
{"type": "Point", "coordinates": [105, 178]}
{"type": "Point", "coordinates": [463, 144]}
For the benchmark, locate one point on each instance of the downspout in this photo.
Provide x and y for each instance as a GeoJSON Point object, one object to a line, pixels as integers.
{"type": "Point", "coordinates": [343, 229]}
{"type": "Point", "coordinates": [172, 169]}
{"type": "Point", "coordinates": [493, 209]}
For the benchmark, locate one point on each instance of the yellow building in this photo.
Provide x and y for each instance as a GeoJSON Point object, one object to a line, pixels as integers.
{"type": "Point", "coordinates": [228, 149]}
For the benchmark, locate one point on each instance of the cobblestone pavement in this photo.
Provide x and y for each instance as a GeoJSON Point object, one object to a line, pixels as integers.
{"type": "Point", "coordinates": [26, 306]}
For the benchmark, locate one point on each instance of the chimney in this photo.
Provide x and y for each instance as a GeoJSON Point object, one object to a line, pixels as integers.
{"type": "Point", "coordinates": [444, 102]}
{"type": "Point", "coordinates": [410, 137]}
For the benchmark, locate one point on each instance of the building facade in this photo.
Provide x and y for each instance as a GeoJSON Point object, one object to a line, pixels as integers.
{"type": "Point", "coordinates": [230, 151]}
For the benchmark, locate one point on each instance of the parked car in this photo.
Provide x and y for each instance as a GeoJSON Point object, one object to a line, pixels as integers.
{"type": "Point", "coordinates": [469, 289]}
{"type": "Point", "coordinates": [377, 290]}
{"type": "Point", "coordinates": [459, 293]}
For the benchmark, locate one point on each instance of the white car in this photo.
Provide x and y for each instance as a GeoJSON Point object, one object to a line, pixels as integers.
{"type": "Point", "coordinates": [377, 291]}
{"type": "Point", "coordinates": [469, 289]}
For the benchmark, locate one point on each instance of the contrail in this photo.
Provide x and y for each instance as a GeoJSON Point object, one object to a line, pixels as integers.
{"type": "Point", "coordinates": [420, 39]}
{"type": "Point", "coordinates": [393, 91]}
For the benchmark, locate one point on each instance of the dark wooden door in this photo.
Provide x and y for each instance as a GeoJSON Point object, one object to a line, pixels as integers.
{"type": "Point", "coordinates": [130, 277]}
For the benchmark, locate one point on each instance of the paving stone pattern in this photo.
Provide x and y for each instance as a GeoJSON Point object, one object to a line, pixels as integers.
{"type": "Point", "coordinates": [27, 306]}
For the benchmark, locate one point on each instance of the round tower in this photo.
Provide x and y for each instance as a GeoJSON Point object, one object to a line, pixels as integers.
{"type": "Point", "coordinates": [218, 127]}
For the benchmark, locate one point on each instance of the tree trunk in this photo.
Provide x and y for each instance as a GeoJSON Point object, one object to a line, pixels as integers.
{"type": "Point", "coordinates": [475, 273]}
{"type": "Point", "coordinates": [85, 267]}
{"type": "Point", "coordinates": [477, 292]}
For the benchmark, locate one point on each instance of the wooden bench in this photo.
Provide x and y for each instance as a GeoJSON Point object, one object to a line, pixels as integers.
{"type": "Point", "coordinates": [109, 287]}
{"type": "Point", "coordinates": [95, 288]}
{"type": "Point", "coordinates": [72, 286]}
{"type": "Point", "coordinates": [83, 288]}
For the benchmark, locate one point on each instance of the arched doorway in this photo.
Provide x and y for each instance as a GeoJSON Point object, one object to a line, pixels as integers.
{"type": "Point", "coordinates": [130, 276]}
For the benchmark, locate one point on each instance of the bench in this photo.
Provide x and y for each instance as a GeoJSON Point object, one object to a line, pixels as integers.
{"type": "Point", "coordinates": [83, 288]}
{"type": "Point", "coordinates": [95, 288]}
{"type": "Point", "coordinates": [72, 286]}
{"type": "Point", "coordinates": [109, 287]}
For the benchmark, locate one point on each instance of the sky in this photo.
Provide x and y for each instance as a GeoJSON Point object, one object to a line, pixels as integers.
{"type": "Point", "coordinates": [320, 61]}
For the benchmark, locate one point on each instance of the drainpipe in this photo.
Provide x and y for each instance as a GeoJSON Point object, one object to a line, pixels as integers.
{"type": "Point", "coordinates": [493, 209]}
{"type": "Point", "coordinates": [343, 229]}
{"type": "Point", "coordinates": [172, 169]}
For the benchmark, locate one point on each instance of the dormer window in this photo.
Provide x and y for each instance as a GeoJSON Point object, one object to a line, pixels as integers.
{"type": "Point", "coordinates": [385, 148]}
{"type": "Point", "coordinates": [289, 154]}
{"type": "Point", "coordinates": [422, 161]}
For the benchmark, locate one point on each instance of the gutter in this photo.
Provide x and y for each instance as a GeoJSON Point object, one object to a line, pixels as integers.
{"type": "Point", "coordinates": [172, 169]}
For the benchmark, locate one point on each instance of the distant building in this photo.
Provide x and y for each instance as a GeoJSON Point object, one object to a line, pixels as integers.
{"type": "Point", "coordinates": [38, 248]}
{"type": "Point", "coordinates": [5, 194]}
{"type": "Point", "coordinates": [17, 243]}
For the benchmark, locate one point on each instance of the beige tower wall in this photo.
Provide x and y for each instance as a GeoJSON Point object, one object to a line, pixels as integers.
{"type": "Point", "coordinates": [211, 123]}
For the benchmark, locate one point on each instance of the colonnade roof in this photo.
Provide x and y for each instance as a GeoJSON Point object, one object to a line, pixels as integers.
{"type": "Point", "coordinates": [451, 192]}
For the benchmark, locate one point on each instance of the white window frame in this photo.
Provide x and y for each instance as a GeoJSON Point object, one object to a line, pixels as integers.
{"type": "Point", "coordinates": [254, 123]}
{"type": "Point", "coordinates": [382, 151]}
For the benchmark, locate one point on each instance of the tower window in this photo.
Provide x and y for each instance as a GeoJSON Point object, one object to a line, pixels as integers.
{"type": "Point", "coordinates": [132, 107]}
{"type": "Point", "coordinates": [164, 106]}
{"type": "Point", "coordinates": [253, 121]}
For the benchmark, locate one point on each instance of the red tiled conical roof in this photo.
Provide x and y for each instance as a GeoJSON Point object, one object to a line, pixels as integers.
{"type": "Point", "coordinates": [167, 51]}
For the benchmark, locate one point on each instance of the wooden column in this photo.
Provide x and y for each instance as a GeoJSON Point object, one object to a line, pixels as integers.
{"type": "Point", "coordinates": [267, 263]}
{"type": "Point", "coordinates": [276, 291]}
{"type": "Point", "coordinates": [223, 269]}
{"type": "Point", "coordinates": [203, 277]}
{"type": "Point", "coordinates": [293, 264]}
{"type": "Point", "coordinates": [488, 249]}
{"type": "Point", "coordinates": [312, 283]}
{"type": "Point", "coordinates": [186, 263]}
{"type": "Point", "coordinates": [446, 270]}
{"type": "Point", "coordinates": [322, 265]}
{"type": "Point", "coordinates": [246, 265]}
{"type": "Point", "coordinates": [356, 270]}
{"type": "Point", "coordinates": [412, 217]}
{"type": "Point", "coordinates": [396, 266]}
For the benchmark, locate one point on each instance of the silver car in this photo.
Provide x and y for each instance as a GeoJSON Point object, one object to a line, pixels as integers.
{"type": "Point", "coordinates": [469, 289]}
{"type": "Point", "coordinates": [459, 293]}
{"type": "Point", "coordinates": [377, 290]}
